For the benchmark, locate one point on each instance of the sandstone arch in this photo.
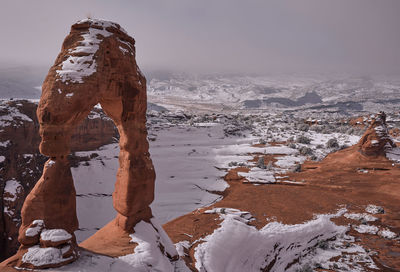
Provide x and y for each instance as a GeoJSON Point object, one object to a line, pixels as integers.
{"type": "Point", "coordinates": [96, 65]}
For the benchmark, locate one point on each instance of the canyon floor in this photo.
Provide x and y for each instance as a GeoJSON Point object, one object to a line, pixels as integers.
{"type": "Point", "coordinates": [232, 195]}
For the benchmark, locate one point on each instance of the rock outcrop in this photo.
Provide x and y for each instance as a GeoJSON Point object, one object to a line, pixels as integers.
{"type": "Point", "coordinates": [21, 162]}
{"type": "Point", "coordinates": [13, 198]}
{"type": "Point", "coordinates": [96, 65]}
{"type": "Point", "coordinates": [376, 139]}
{"type": "Point", "coordinates": [52, 203]}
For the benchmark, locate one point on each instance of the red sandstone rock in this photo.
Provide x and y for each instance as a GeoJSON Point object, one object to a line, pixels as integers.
{"type": "Point", "coordinates": [52, 199]}
{"type": "Point", "coordinates": [30, 235]}
{"type": "Point", "coordinates": [13, 198]}
{"type": "Point", "coordinates": [54, 237]}
{"type": "Point", "coordinates": [376, 139]}
{"type": "Point", "coordinates": [24, 164]}
{"type": "Point", "coordinates": [96, 65]}
{"type": "Point", "coordinates": [111, 77]}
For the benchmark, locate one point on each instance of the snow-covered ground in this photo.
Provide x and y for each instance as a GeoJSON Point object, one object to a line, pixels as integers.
{"type": "Point", "coordinates": [237, 246]}
{"type": "Point", "coordinates": [192, 151]}
{"type": "Point", "coordinates": [191, 154]}
{"type": "Point", "coordinates": [184, 160]}
{"type": "Point", "coordinates": [317, 94]}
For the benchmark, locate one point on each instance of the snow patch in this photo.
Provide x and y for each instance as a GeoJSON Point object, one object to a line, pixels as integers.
{"type": "Point", "coordinates": [55, 235]}
{"type": "Point", "coordinates": [256, 175]}
{"type": "Point", "coordinates": [360, 217]}
{"type": "Point", "coordinates": [366, 229]}
{"type": "Point", "coordinates": [150, 238]}
{"type": "Point", "coordinates": [287, 162]}
{"type": "Point", "coordinates": [33, 231]}
{"type": "Point", "coordinates": [386, 233]}
{"type": "Point", "coordinates": [38, 256]}
{"type": "Point", "coordinates": [236, 214]}
{"type": "Point", "coordinates": [75, 68]}
{"type": "Point", "coordinates": [181, 246]}
{"type": "Point", "coordinates": [374, 209]}
{"type": "Point", "coordinates": [12, 117]}
{"type": "Point", "coordinates": [13, 188]}
{"type": "Point", "coordinates": [124, 50]}
{"type": "Point", "coordinates": [5, 143]}
{"type": "Point", "coordinates": [50, 163]}
{"type": "Point", "coordinates": [393, 154]}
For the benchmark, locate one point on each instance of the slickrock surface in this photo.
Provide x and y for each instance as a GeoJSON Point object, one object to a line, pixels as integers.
{"type": "Point", "coordinates": [96, 65]}
{"type": "Point", "coordinates": [365, 185]}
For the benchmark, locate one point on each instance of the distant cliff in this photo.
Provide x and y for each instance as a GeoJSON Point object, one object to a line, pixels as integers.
{"type": "Point", "coordinates": [21, 163]}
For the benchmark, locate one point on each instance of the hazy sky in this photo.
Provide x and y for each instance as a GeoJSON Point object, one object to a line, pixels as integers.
{"type": "Point", "coordinates": [257, 36]}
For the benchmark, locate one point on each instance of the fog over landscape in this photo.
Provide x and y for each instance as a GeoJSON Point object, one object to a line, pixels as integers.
{"type": "Point", "coordinates": [212, 135]}
{"type": "Point", "coordinates": [225, 36]}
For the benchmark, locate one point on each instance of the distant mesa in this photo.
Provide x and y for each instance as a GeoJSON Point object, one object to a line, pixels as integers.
{"type": "Point", "coordinates": [96, 65]}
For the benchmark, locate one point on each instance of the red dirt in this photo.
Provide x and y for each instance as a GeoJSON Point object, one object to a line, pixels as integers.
{"type": "Point", "coordinates": [328, 184]}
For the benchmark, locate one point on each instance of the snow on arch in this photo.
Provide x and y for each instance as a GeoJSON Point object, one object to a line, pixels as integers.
{"type": "Point", "coordinates": [76, 67]}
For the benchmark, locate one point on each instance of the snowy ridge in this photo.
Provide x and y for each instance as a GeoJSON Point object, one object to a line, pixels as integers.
{"type": "Point", "coordinates": [148, 255]}
{"type": "Point", "coordinates": [271, 93]}
{"type": "Point", "coordinates": [11, 116]}
{"type": "Point", "coordinates": [236, 246]}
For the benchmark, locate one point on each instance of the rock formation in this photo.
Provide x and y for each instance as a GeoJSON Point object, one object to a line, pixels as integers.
{"type": "Point", "coordinates": [376, 139]}
{"type": "Point", "coordinates": [96, 65]}
{"type": "Point", "coordinates": [21, 163]}
{"type": "Point", "coordinates": [13, 198]}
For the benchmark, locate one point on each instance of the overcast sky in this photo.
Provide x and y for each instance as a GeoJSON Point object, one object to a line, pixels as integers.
{"type": "Point", "coordinates": [255, 36]}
